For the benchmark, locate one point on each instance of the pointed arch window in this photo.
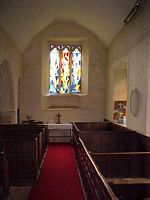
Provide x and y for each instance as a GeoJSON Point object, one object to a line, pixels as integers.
{"type": "Point", "coordinates": [65, 69]}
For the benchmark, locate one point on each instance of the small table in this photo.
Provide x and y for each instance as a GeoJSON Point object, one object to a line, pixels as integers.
{"type": "Point", "coordinates": [60, 132]}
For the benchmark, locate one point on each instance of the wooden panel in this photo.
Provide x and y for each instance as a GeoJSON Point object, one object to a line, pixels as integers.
{"type": "Point", "coordinates": [27, 167]}
{"type": "Point", "coordinates": [119, 154]}
{"type": "Point", "coordinates": [124, 165]}
{"type": "Point", "coordinates": [13, 166]}
{"type": "Point", "coordinates": [4, 173]}
{"type": "Point", "coordinates": [108, 135]}
{"type": "Point", "coordinates": [132, 191]}
{"type": "Point", "coordinates": [11, 148]}
{"type": "Point", "coordinates": [44, 140]}
{"type": "Point", "coordinates": [25, 146]}
{"type": "Point", "coordinates": [93, 181]}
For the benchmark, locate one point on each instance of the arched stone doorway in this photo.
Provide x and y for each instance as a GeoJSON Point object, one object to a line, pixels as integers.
{"type": "Point", "coordinates": [7, 103]}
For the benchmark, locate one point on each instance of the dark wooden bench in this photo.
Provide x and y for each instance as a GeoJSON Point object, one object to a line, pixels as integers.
{"type": "Point", "coordinates": [127, 173]}
{"type": "Point", "coordinates": [4, 173]}
{"type": "Point", "coordinates": [22, 155]}
{"type": "Point", "coordinates": [121, 155]}
{"type": "Point", "coordinates": [132, 191]}
{"type": "Point", "coordinates": [123, 165]}
{"type": "Point", "coordinates": [101, 126]}
{"type": "Point", "coordinates": [101, 137]}
{"type": "Point", "coordinates": [25, 147]}
{"type": "Point", "coordinates": [39, 131]}
{"type": "Point", "coordinates": [94, 183]}
{"type": "Point", "coordinates": [32, 122]}
{"type": "Point", "coordinates": [110, 141]}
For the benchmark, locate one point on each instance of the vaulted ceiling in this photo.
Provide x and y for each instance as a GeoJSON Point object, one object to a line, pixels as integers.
{"type": "Point", "coordinates": [23, 19]}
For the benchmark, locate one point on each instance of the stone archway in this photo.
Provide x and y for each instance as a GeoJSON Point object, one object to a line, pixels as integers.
{"type": "Point", "coordinates": [7, 102]}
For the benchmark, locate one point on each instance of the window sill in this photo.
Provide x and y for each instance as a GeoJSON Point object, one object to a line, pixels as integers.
{"type": "Point", "coordinates": [61, 102]}
{"type": "Point", "coordinates": [65, 95]}
{"type": "Point", "coordinates": [60, 108]}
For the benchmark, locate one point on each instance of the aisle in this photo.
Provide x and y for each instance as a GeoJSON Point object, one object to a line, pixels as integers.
{"type": "Point", "coordinates": [59, 179]}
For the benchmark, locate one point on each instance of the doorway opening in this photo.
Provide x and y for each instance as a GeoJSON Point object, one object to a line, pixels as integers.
{"type": "Point", "coordinates": [120, 96]}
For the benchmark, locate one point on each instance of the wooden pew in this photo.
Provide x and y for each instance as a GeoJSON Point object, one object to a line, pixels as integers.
{"type": "Point", "coordinates": [25, 147]}
{"type": "Point", "coordinates": [122, 165]}
{"type": "Point", "coordinates": [4, 173]}
{"type": "Point", "coordinates": [39, 131]}
{"type": "Point", "coordinates": [121, 155]}
{"type": "Point", "coordinates": [101, 126]}
{"type": "Point", "coordinates": [22, 154]}
{"type": "Point", "coordinates": [111, 141]}
{"type": "Point", "coordinates": [101, 137]}
{"type": "Point", "coordinates": [94, 183]}
{"type": "Point", "coordinates": [127, 173]}
{"type": "Point", "coordinates": [132, 191]}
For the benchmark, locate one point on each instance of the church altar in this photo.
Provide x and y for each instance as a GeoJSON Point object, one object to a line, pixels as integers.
{"type": "Point", "coordinates": [59, 132]}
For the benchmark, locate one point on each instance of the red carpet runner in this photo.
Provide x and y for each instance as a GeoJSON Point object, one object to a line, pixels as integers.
{"type": "Point", "coordinates": [59, 179]}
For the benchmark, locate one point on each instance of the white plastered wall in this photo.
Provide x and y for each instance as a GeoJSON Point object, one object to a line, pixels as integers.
{"type": "Point", "coordinates": [91, 105]}
{"type": "Point", "coordinates": [130, 47]}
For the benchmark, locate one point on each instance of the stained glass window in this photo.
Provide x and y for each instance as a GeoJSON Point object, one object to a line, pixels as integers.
{"type": "Point", "coordinates": [65, 69]}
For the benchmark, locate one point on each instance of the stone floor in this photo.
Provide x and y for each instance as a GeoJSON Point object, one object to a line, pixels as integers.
{"type": "Point", "coordinates": [18, 193]}
{"type": "Point", "coordinates": [21, 193]}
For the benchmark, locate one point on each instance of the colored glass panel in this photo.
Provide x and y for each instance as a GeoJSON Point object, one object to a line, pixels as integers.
{"type": "Point", "coordinates": [76, 72]}
{"type": "Point", "coordinates": [65, 66]}
{"type": "Point", "coordinates": [54, 71]}
{"type": "Point", "coordinates": [65, 69]}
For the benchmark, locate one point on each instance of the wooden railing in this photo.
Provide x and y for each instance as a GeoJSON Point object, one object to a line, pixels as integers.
{"type": "Point", "coordinates": [95, 185]}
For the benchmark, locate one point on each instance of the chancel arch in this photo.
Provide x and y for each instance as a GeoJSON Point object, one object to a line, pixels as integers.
{"type": "Point", "coordinates": [7, 105]}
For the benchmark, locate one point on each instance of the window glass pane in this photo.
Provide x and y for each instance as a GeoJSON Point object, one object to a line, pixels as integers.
{"type": "Point", "coordinates": [54, 71]}
{"type": "Point", "coordinates": [76, 72]}
{"type": "Point", "coordinates": [65, 69]}
{"type": "Point", "coordinates": [65, 66]}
